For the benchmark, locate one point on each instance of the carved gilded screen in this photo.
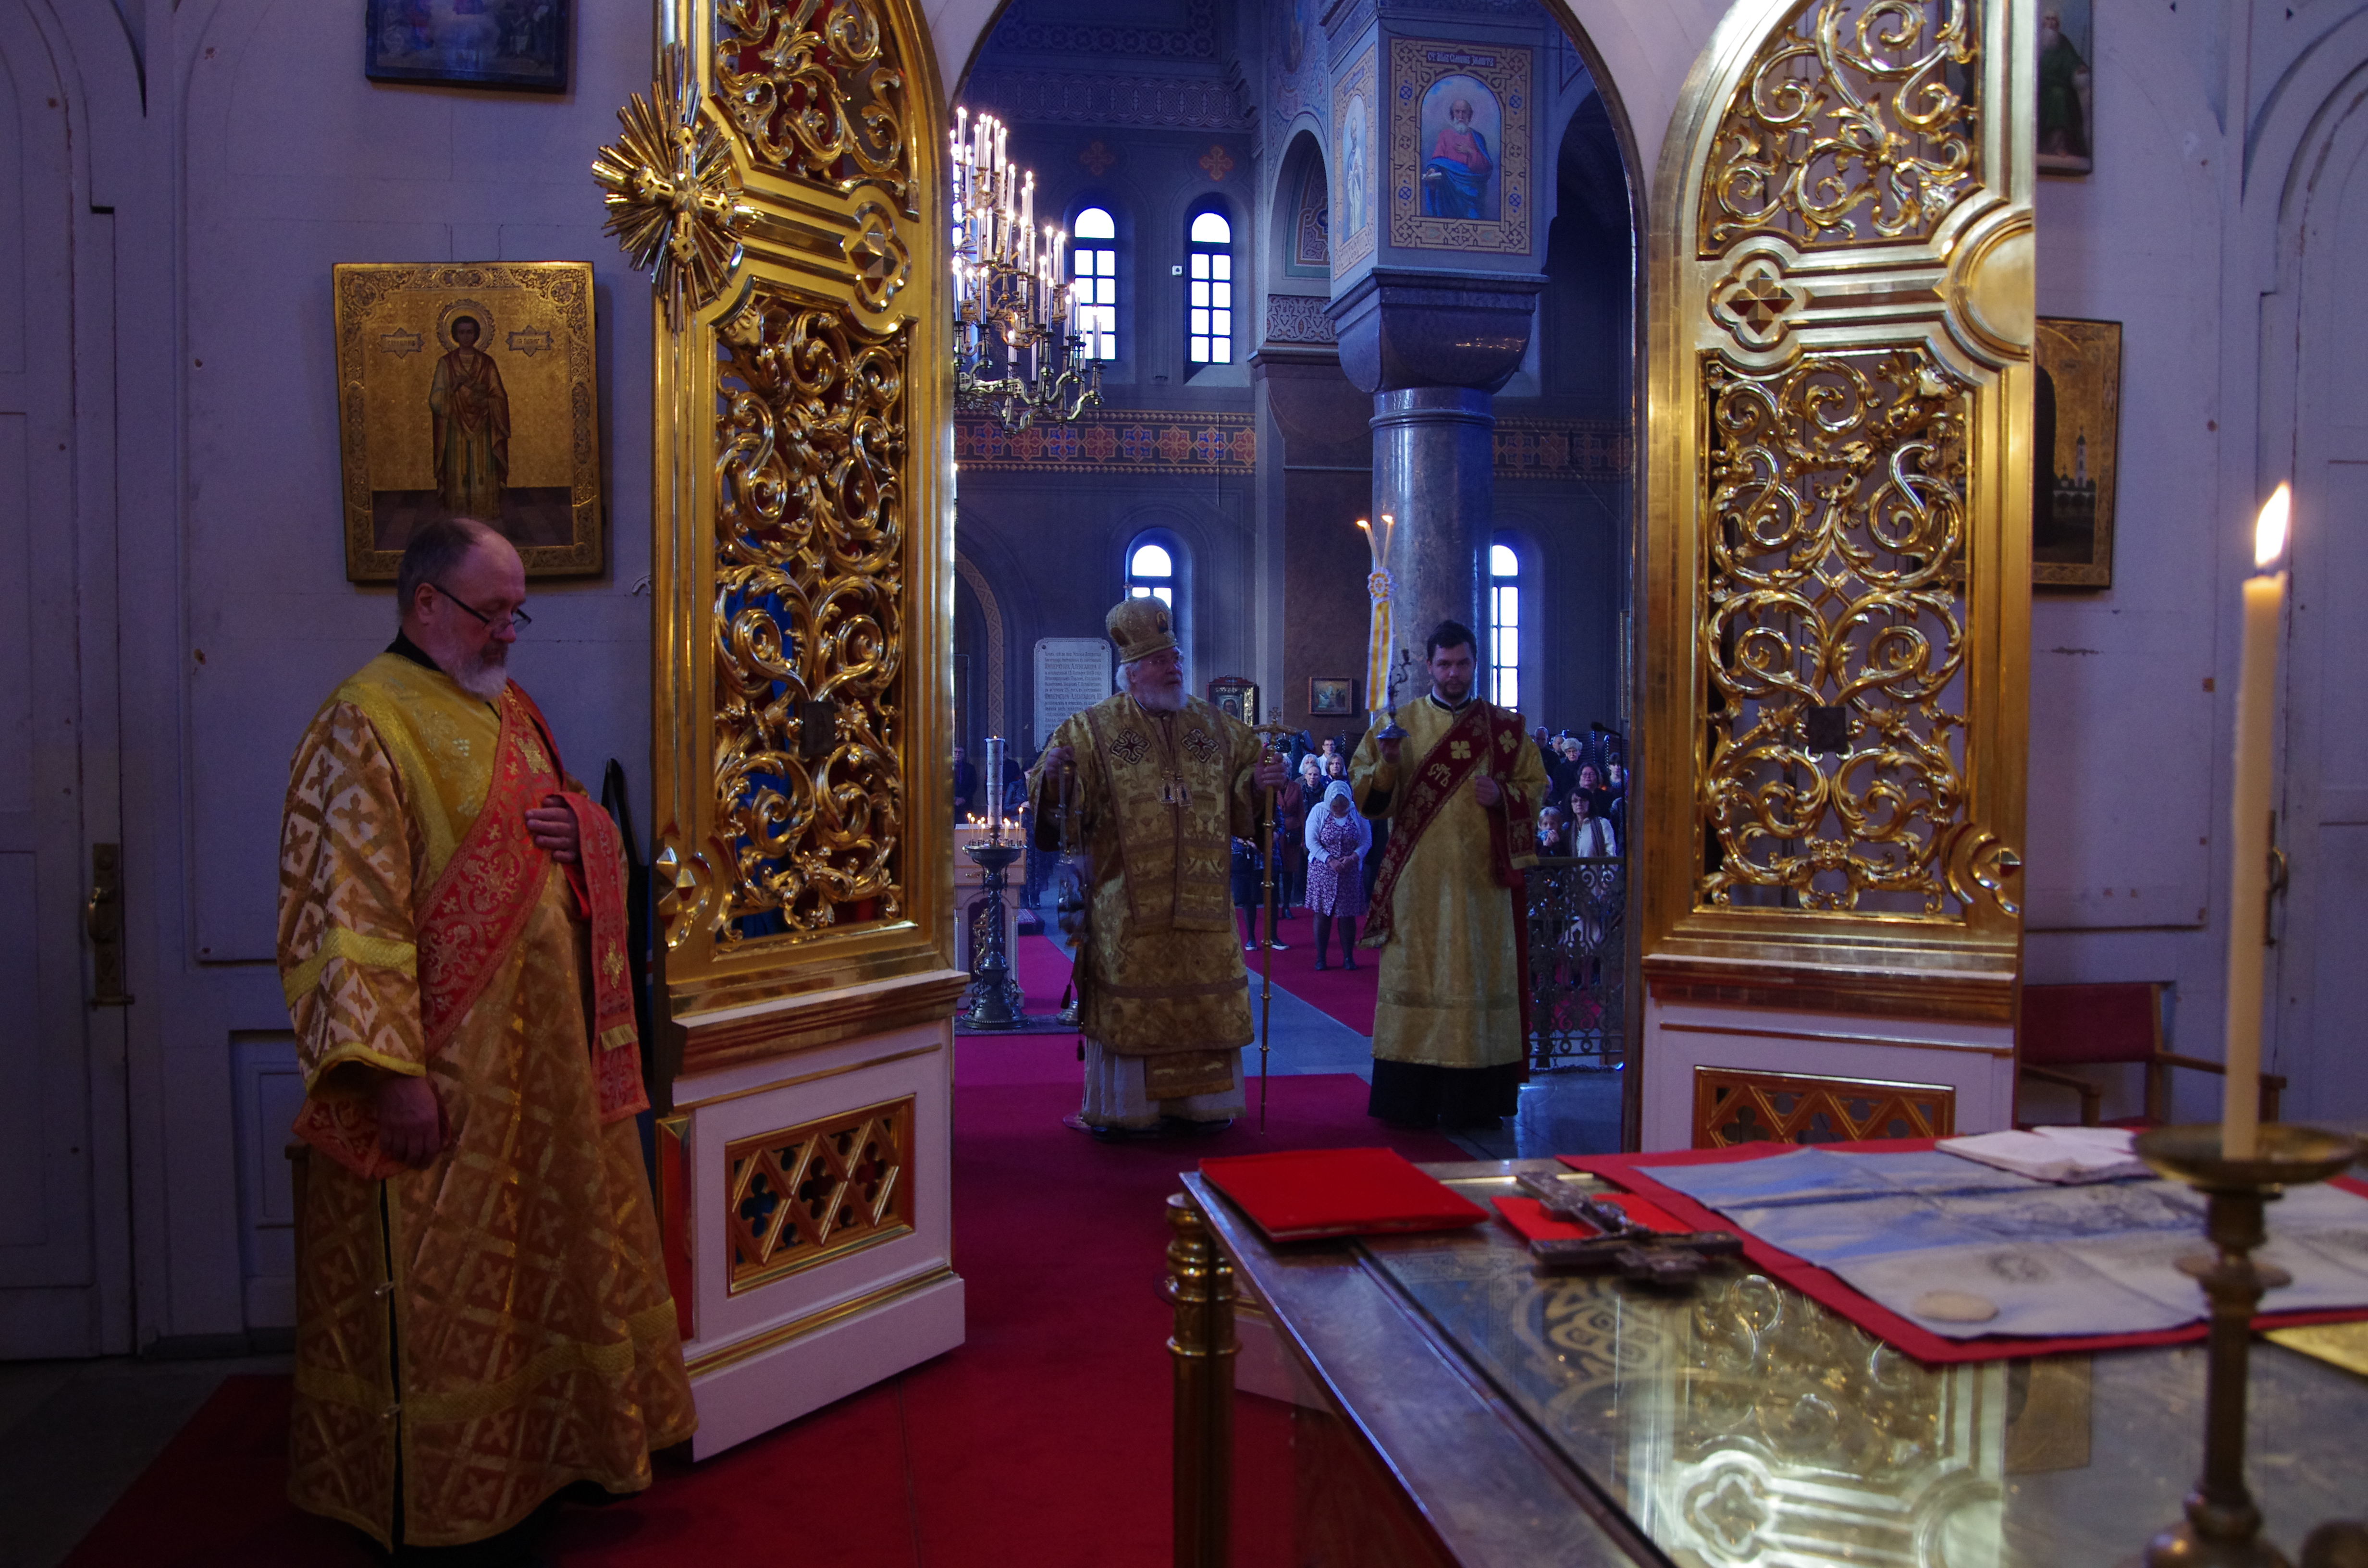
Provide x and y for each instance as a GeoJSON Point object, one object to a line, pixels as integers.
{"type": "Point", "coordinates": [1840, 338]}
{"type": "Point", "coordinates": [776, 183]}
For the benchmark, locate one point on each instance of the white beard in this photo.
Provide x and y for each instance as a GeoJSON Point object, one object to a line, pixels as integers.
{"type": "Point", "coordinates": [1160, 698]}
{"type": "Point", "coordinates": [482, 674]}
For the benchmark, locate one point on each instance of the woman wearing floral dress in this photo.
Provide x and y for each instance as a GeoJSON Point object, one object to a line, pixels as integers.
{"type": "Point", "coordinates": [1337, 838]}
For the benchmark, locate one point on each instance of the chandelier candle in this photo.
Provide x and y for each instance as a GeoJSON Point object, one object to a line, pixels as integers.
{"type": "Point", "coordinates": [2249, 830]}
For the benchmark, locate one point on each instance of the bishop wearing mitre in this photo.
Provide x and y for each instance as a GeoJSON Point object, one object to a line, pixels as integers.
{"type": "Point", "coordinates": [1156, 784]}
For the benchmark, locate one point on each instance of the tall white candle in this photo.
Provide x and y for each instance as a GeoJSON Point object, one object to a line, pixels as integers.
{"type": "Point", "coordinates": [995, 781]}
{"type": "Point", "coordinates": [2249, 830]}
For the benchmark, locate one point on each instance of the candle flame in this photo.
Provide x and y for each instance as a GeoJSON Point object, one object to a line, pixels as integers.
{"type": "Point", "coordinates": [2269, 532]}
{"type": "Point", "coordinates": [1364, 525]}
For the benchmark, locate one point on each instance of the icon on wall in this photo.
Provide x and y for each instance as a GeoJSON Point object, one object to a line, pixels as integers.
{"type": "Point", "coordinates": [1461, 123]}
{"type": "Point", "coordinates": [1459, 146]}
{"type": "Point", "coordinates": [1237, 695]}
{"type": "Point", "coordinates": [2075, 433]}
{"type": "Point", "coordinates": [1352, 129]}
{"type": "Point", "coordinates": [1331, 697]}
{"type": "Point", "coordinates": [469, 43]}
{"type": "Point", "coordinates": [469, 390]}
{"type": "Point", "coordinates": [2067, 110]}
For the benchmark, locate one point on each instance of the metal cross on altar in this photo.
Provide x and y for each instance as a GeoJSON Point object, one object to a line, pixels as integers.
{"type": "Point", "coordinates": [1620, 1245]}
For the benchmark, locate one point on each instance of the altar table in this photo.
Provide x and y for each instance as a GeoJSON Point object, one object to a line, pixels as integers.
{"type": "Point", "coordinates": [1443, 1405]}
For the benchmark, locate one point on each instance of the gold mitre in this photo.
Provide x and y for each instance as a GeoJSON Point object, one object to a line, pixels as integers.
{"type": "Point", "coordinates": [1138, 626]}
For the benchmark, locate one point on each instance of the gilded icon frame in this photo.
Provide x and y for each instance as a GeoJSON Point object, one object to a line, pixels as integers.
{"type": "Point", "coordinates": [395, 324]}
{"type": "Point", "coordinates": [1331, 697]}
{"type": "Point", "coordinates": [2077, 414]}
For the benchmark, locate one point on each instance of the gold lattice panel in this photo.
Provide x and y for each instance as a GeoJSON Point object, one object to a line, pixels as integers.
{"type": "Point", "coordinates": [819, 1190]}
{"type": "Point", "coordinates": [1833, 631]}
{"type": "Point", "coordinates": [1732, 1105]}
{"type": "Point", "coordinates": [1838, 577]}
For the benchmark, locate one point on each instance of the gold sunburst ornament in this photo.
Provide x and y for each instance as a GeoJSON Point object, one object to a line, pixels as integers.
{"type": "Point", "coordinates": [674, 202]}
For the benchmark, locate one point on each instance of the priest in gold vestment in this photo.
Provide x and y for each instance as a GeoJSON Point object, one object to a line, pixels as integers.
{"type": "Point", "coordinates": [483, 1322]}
{"type": "Point", "coordinates": [1461, 791]}
{"type": "Point", "coordinates": [1158, 785]}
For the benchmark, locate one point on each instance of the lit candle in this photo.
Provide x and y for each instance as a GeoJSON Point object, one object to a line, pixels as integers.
{"type": "Point", "coordinates": [1028, 203]}
{"type": "Point", "coordinates": [2249, 830]}
{"type": "Point", "coordinates": [995, 782]}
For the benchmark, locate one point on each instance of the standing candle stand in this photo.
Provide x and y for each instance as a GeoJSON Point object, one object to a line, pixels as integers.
{"type": "Point", "coordinates": [994, 1002]}
{"type": "Point", "coordinates": [2222, 1526]}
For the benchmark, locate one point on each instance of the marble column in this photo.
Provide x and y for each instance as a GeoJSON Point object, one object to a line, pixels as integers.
{"type": "Point", "coordinates": [1433, 471]}
{"type": "Point", "coordinates": [1433, 347]}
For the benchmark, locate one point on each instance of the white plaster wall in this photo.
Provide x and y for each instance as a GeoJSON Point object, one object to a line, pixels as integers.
{"type": "Point", "coordinates": [263, 158]}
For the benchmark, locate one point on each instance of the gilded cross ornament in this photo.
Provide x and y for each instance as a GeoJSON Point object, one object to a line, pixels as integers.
{"type": "Point", "coordinates": [1216, 163]}
{"type": "Point", "coordinates": [674, 202]}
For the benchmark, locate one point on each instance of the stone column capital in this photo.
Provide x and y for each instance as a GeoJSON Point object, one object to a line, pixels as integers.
{"type": "Point", "coordinates": [1401, 327]}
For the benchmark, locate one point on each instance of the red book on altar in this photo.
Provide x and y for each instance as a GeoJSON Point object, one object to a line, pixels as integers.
{"type": "Point", "coordinates": [1303, 1194]}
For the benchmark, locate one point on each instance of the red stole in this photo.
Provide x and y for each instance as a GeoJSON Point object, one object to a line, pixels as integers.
{"type": "Point", "coordinates": [1483, 738]}
{"type": "Point", "coordinates": [1479, 733]}
{"type": "Point", "coordinates": [473, 916]}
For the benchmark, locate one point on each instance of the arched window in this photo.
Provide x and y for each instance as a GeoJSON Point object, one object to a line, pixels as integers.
{"type": "Point", "coordinates": [1093, 264]}
{"type": "Point", "coordinates": [1208, 299]}
{"type": "Point", "coordinates": [1504, 626]}
{"type": "Point", "coordinates": [1151, 572]}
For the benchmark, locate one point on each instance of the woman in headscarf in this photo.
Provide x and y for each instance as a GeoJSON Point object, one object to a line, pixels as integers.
{"type": "Point", "coordinates": [1337, 838]}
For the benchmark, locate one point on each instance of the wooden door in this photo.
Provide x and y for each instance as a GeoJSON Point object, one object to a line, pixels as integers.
{"type": "Point", "coordinates": [60, 1289]}
{"type": "Point", "coordinates": [2321, 999]}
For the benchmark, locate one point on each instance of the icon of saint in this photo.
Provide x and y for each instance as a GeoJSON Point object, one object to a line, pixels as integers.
{"type": "Point", "coordinates": [471, 413]}
{"type": "Point", "coordinates": [1456, 181]}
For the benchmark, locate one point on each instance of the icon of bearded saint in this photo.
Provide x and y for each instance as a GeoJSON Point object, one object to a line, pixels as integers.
{"type": "Point", "coordinates": [471, 413]}
{"type": "Point", "coordinates": [1455, 179]}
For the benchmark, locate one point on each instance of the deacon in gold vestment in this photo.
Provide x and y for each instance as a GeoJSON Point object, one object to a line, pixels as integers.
{"type": "Point", "coordinates": [1461, 791]}
{"type": "Point", "coordinates": [481, 1317]}
{"type": "Point", "coordinates": [1159, 784]}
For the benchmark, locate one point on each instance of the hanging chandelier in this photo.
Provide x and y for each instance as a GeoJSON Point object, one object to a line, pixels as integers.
{"type": "Point", "coordinates": [1018, 355]}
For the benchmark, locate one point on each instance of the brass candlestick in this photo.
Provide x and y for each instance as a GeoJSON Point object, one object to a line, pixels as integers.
{"type": "Point", "coordinates": [2223, 1525]}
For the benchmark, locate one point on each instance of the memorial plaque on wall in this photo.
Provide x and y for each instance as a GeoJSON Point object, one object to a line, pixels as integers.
{"type": "Point", "coordinates": [1072, 673]}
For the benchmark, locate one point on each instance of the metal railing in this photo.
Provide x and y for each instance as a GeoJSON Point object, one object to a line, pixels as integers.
{"type": "Point", "coordinates": [1578, 969]}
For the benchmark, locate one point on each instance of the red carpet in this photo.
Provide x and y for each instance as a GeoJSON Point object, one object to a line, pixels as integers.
{"type": "Point", "coordinates": [1044, 972]}
{"type": "Point", "coordinates": [1347, 996]}
{"type": "Point", "coordinates": [1044, 1439]}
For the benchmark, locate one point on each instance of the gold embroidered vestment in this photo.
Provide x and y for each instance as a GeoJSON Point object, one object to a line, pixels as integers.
{"type": "Point", "coordinates": [517, 1278]}
{"type": "Point", "coordinates": [1162, 796]}
{"type": "Point", "coordinates": [1449, 990]}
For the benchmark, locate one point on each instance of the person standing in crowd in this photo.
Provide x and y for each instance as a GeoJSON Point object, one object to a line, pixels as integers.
{"type": "Point", "coordinates": [1249, 891]}
{"type": "Point", "coordinates": [1337, 837]}
{"type": "Point", "coordinates": [1588, 834]}
{"type": "Point", "coordinates": [482, 1318]}
{"type": "Point", "coordinates": [1562, 766]}
{"type": "Point", "coordinates": [965, 786]}
{"type": "Point", "coordinates": [1460, 790]}
{"type": "Point", "coordinates": [1290, 806]}
{"type": "Point", "coordinates": [1161, 781]}
{"type": "Point", "coordinates": [1552, 840]}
